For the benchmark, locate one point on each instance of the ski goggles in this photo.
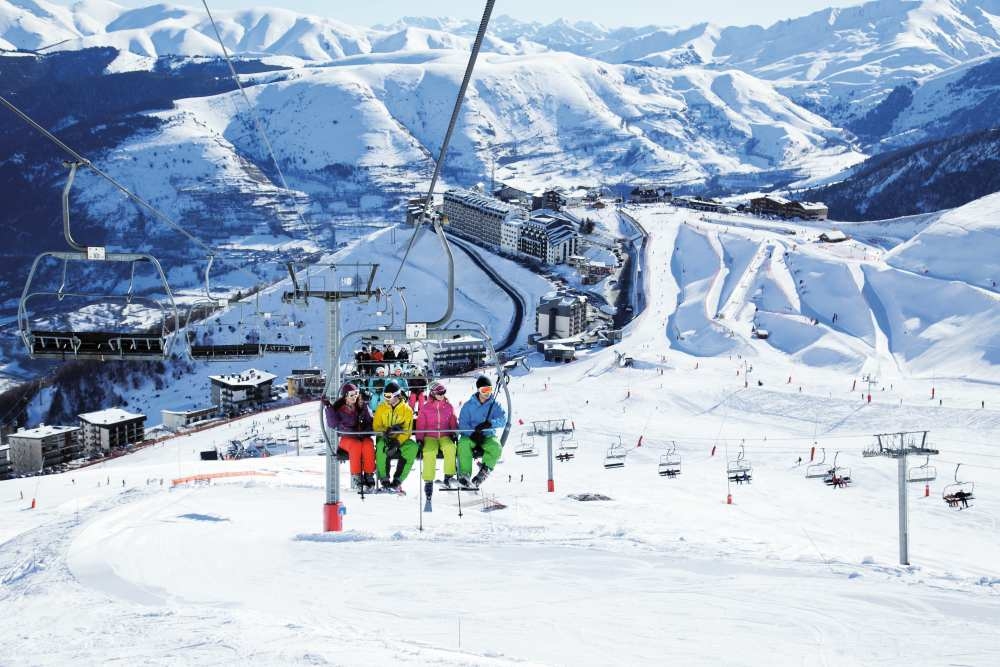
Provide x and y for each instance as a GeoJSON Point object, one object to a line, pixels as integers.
{"type": "Point", "coordinates": [486, 391]}
{"type": "Point", "coordinates": [352, 394]}
{"type": "Point", "coordinates": [390, 394]}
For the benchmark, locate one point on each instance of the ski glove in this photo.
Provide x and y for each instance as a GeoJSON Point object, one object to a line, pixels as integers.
{"type": "Point", "coordinates": [483, 425]}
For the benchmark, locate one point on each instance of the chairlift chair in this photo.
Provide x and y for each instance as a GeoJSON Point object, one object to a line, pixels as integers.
{"type": "Point", "coordinates": [837, 476]}
{"type": "Point", "coordinates": [615, 457]}
{"type": "Point", "coordinates": [740, 470]}
{"type": "Point", "coordinates": [124, 342]}
{"type": "Point", "coordinates": [958, 494]}
{"type": "Point", "coordinates": [569, 443]}
{"type": "Point", "coordinates": [818, 470]}
{"type": "Point", "coordinates": [922, 473]}
{"type": "Point", "coordinates": [670, 462]}
{"type": "Point", "coordinates": [526, 447]}
{"type": "Point", "coordinates": [251, 337]}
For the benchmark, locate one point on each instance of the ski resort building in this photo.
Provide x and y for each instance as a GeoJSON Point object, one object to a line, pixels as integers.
{"type": "Point", "coordinates": [560, 315]}
{"type": "Point", "coordinates": [109, 429]}
{"type": "Point", "coordinates": [43, 447]}
{"type": "Point", "coordinates": [549, 236]}
{"type": "Point", "coordinates": [306, 383]}
{"type": "Point", "coordinates": [478, 218]}
{"type": "Point", "coordinates": [650, 194]}
{"type": "Point", "coordinates": [238, 392]}
{"type": "Point", "coordinates": [6, 469]}
{"type": "Point", "coordinates": [183, 417]}
{"type": "Point", "coordinates": [456, 355]}
{"type": "Point", "coordinates": [786, 208]}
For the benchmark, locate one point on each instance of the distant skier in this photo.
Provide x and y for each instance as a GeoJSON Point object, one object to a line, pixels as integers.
{"type": "Point", "coordinates": [481, 415]}
{"type": "Point", "coordinates": [352, 419]}
{"type": "Point", "coordinates": [436, 426]}
{"type": "Point", "coordinates": [394, 421]}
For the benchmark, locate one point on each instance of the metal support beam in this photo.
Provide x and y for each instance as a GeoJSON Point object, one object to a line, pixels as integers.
{"type": "Point", "coordinates": [904, 554]}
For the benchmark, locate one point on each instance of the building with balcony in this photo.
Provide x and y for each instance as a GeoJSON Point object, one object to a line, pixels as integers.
{"type": "Point", "coordinates": [549, 236]}
{"type": "Point", "coordinates": [109, 429]}
{"type": "Point", "coordinates": [477, 217]}
{"type": "Point", "coordinates": [560, 315]}
{"type": "Point", "coordinates": [238, 392]}
{"type": "Point", "coordinates": [306, 383]}
{"type": "Point", "coordinates": [179, 418]}
{"type": "Point", "coordinates": [43, 448]}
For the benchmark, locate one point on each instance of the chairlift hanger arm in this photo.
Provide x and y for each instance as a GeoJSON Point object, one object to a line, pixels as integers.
{"type": "Point", "coordinates": [429, 203]}
{"type": "Point", "coordinates": [128, 193]}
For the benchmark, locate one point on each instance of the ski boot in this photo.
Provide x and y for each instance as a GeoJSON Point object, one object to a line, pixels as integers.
{"type": "Point", "coordinates": [397, 486]}
{"type": "Point", "coordinates": [368, 482]}
{"type": "Point", "coordinates": [463, 481]}
{"type": "Point", "coordinates": [356, 483]}
{"type": "Point", "coordinates": [428, 492]}
{"type": "Point", "coordinates": [448, 482]}
{"type": "Point", "coordinates": [384, 485]}
{"type": "Point", "coordinates": [481, 476]}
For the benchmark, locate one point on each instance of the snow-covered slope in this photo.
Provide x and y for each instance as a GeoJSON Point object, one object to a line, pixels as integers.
{"type": "Point", "coordinates": [237, 570]}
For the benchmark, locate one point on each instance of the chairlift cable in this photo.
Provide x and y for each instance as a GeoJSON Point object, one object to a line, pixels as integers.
{"type": "Point", "coordinates": [128, 193]}
{"type": "Point", "coordinates": [259, 126]}
{"type": "Point", "coordinates": [473, 57]}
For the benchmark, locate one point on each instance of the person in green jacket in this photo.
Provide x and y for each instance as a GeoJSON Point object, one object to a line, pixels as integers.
{"type": "Point", "coordinates": [393, 421]}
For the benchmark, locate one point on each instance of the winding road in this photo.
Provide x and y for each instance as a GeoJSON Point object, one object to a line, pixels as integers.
{"type": "Point", "coordinates": [519, 305]}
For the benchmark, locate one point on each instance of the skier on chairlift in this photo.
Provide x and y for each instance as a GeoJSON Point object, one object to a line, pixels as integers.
{"type": "Point", "coordinates": [436, 426]}
{"type": "Point", "coordinates": [352, 419]}
{"type": "Point", "coordinates": [481, 415]}
{"type": "Point", "coordinates": [393, 421]}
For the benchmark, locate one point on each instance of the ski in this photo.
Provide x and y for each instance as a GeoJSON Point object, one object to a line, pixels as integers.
{"type": "Point", "coordinates": [469, 489]}
{"type": "Point", "coordinates": [427, 505]}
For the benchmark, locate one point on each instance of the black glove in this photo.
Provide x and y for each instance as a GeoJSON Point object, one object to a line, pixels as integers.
{"type": "Point", "coordinates": [366, 395]}
{"type": "Point", "coordinates": [483, 425]}
{"type": "Point", "coordinates": [393, 430]}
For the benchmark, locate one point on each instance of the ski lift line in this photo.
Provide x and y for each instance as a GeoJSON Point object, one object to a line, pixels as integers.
{"type": "Point", "coordinates": [257, 124]}
{"type": "Point", "coordinates": [128, 193]}
{"type": "Point", "coordinates": [473, 57]}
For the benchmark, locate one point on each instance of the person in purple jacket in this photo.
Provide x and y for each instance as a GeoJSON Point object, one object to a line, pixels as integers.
{"type": "Point", "coordinates": [352, 419]}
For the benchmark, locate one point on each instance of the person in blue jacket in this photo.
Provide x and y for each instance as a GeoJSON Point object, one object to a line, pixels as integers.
{"type": "Point", "coordinates": [478, 422]}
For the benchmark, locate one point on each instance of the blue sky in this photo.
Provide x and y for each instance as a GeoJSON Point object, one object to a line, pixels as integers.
{"type": "Point", "coordinates": [616, 13]}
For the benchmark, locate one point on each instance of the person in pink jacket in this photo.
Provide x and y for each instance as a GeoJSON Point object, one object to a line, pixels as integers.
{"type": "Point", "coordinates": [436, 426]}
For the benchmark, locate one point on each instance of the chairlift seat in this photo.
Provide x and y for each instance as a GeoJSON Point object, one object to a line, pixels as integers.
{"type": "Point", "coordinates": [226, 352]}
{"type": "Point", "coordinates": [95, 345]}
{"type": "Point", "coordinates": [615, 458]}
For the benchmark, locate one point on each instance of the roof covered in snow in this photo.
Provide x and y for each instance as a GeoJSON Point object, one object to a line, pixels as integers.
{"type": "Point", "coordinates": [110, 416]}
{"type": "Point", "coordinates": [43, 431]}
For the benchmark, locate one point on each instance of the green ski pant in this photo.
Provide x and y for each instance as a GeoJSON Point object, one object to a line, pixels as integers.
{"type": "Point", "coordinates": [406, 451]}
{"type": "Point", "coordinates": [431, 446]}
{"type": "Point", "coordinates": [491, 454]}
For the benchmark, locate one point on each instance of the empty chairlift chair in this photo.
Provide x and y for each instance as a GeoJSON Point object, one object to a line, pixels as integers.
{"type": "Point", "coordinates": [922, 473]}
{"type": "Point", "coordinates": [818, 470]}
{"type": "Point", "coordinates": [254, 334]}
{"type": "Point", "coordinates": [670, 463]}
{"type": "Point", "coordinates": [615, 457]}
{"type": "Point", "coordinates": [740, 470]}
{"type": "Point", "coordinates": [958, 494]}
{"type": "Point", "coordinates": [74, 321]}
{"type": "Point", "coordinates": [526, 447]}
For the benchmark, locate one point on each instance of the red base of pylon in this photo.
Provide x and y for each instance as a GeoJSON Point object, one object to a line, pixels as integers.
{"type": "Point", "coordinates": [552, 486]}
{"type": "Point", "coordinates": [927, 490]}
{"type": "Point", "coordinates": [729, 499]}
{"type": "Point", "coordinates": [32, 503]}
{"type": "Point", "coordinates": [333, 517]}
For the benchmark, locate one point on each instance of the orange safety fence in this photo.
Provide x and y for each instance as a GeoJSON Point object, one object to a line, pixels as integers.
{"type": "Point", "coordinates": [216, 475]}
